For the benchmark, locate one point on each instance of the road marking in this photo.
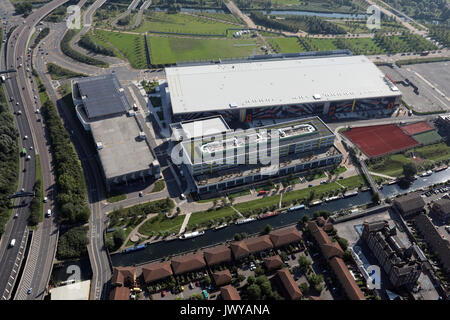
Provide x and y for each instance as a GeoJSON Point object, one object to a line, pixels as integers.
{"type": "Point", "coordinates": [7, 290]}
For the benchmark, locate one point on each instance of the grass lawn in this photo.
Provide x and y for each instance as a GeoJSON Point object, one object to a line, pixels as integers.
{"type": "Point", "coordinates": [353, 182]}
{"type": "Point", "coordinates": [159, 185]}
{"type": "Point", "coordinates": [320, 44]}
{"type": "Point", "coordinates": [259, 203]}
{"type": "Point", "coordinates": [132, 46]}
{"type": "Point", "coordinates": [286, 45]}
{"type": "Point", "coordinates": [391, 166]}
{"type": "Point", "coordinates": [204, 218]}
{"type": "Point", "coordinates": [166, 50]}
{"type": "Point", "coordinates": [238, 194]}
{"type": "Point", "coordinates": [115, 198]}
{"type": "Point", "coordinates": [182, 23]}
{"type": "Point", "coordinates": [305, 193]}
{"type": "Point", "coordinates": [339, 170]}
{"type": "Point", "coordinates": [97, 38]}
{"type": "Point", "coordinates": [162, 224]}
{"type": "Point", "coordinates": [228, 17]}
{"type": "Point", "coordinates": [435, 152]}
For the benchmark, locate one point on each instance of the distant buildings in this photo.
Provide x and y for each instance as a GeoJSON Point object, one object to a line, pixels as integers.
{"type": "Point", "coordinates": [396, 260]}
{"type": "Point", "coordinates": [439, 244]}
{"type": "Point", "coordinates": [409, 204]}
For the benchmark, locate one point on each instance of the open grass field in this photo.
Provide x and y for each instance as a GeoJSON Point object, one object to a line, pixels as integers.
{"type": "Point", "coordinates": [132, 46]}
{"type": "Point", "coordinates": [161, 224]}
{"type": "Point", "coordinates": [259, 203]}
{"type": "Point", "coordinates": [305, 193]}
{"type": "Point", "coordinates": [353, 182]}
{"type": "Point", "coordinates": [227, 17]}
{"type": "Point", "coordinates": [286, 45]}
{"type": "Point", "coordinates": [204, 218]}
{"type": "Point", "coordinates": [182, 23]}
{"type": "Point", "coordinates": [435, 152]}
{"type": "Point", "coordinates": [391, 166]}
{"type": "Point", "coordinates": [166, 50]}
{"type": "Point", "coordinates": [320, 44]}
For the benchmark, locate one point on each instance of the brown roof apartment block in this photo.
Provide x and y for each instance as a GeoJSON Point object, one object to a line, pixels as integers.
{"type": "Point", "coordinates": [123, 275]}
{"type": "Point", "coordinates": [319, 235]}
{"type": "Point", "coordinates": [222, 277]}
{"type": "Point", "coordinates": [187, 263]}
{"type": "Point", "coordinates": [217, 254]}
{"type": "Point", "coordinates": [229, 293]}
{"type": "Point", "coordinates": [332, 249]}
{"type": "Point", "coordinates": [156, 271]}
{"type": "Point", "coordinates": [258, 244]}
{"type": "Point", "coordinates": [345, 279]}
{"type": "Point", "coordinates": [410, 203]}
{"type": "Point", "coordinates": [239, 249]}
{"type": "Point", "coordinates": [120, 293]}
{"type": "Point", "coordinates": [273, 262]}
{"type": "Point", "coordinates": [285, 236]}
{"type": "Point", "coordinates": [290, 287]}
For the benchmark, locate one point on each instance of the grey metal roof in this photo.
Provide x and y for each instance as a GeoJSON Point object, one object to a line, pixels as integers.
{"type": "Point", "coordinates": [102, 95]}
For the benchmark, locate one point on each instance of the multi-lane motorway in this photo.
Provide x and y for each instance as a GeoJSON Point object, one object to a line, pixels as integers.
{"type": "Point", "coordinates": [19, 86]}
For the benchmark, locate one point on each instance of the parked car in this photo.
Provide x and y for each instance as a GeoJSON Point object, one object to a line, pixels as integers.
{"type": "Point", "coordinates": [205, 294]}
{"type": "Point", "coordinates": [262, 192]}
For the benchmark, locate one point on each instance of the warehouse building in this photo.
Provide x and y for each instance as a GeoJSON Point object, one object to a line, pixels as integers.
{"type": "Point", "coordinates": [226, 160]}
{"type": "Point", "coordinates": [103, 108]}
{"type": "Point", "coordinates": [293, 86]}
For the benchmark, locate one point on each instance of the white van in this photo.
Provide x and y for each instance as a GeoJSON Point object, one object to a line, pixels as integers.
{"type": "Point", "coordinates": [12, 243]}
{"type": "Point", "coordinates": [49, 213]}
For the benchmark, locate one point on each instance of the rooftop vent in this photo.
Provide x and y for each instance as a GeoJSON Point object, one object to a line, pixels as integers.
{"type": "Point", "coordinates": [99, 145]}
{"type": "Point", "coordinates": [317, 96]}
{"type": "Point", "coordinates": [233, 105]}
{"type": "Point", "coordinates": [142, 135]}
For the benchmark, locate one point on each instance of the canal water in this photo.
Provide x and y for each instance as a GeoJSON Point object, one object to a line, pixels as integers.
{"type": "Point", "coordinates": [162, 249]}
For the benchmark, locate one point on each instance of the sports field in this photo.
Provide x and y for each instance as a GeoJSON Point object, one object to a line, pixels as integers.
{"type": "Point", "coordinates": [416, 128]}
{"type": "Point", "coordinates": [428, 137]}
{"type": "Point", "coordinates": [379, 140]}
{"type": "Point", "coordinates": [167, 50]}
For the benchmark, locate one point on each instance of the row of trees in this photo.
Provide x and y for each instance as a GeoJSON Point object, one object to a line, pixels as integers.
{"type": "Point", "coordinates": [314, 25]}
{"type": "Point", "coordinates": [70, 183]}
{"type": "Point", "coordinates": [9, 159]}
{"type": "Point", "coordinates": [70, 52]}
{"type": "Point", "coordinates": [73, 243]}
{"type": "Point", "coordinates": [87, 43]}
{"type": "Point", "coordinates": [260, 19]}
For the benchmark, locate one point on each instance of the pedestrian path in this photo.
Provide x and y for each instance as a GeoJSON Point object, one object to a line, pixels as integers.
{"type": "Point", "coordinates": [382, 175]}
{"type": "Point", "coordinates": [185, 222]}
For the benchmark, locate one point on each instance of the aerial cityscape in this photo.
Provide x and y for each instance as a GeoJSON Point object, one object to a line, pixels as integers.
{"type": "Point", "coordinates": [250, 150]}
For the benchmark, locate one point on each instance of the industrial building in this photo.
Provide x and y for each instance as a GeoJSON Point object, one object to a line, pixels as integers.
{"type": "Point", "coordinates": [293, 86]}
{"type": "Point", "coordinates": [396, 259]}
{"type": "Point", "coordinates": [103, 108]}
{"type": "Point", "coordinates": [235, 159]}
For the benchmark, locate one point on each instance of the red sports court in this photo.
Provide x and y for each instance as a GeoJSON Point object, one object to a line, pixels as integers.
{"type": "Point", "coordinates": [416, 128]}
{"type": "Point", "coordinates": [380, 140]}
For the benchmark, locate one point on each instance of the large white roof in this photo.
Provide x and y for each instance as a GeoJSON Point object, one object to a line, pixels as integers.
{"type": "Point", "coordinates": [275, 82]}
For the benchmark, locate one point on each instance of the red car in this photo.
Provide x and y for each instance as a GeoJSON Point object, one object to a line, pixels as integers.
{"type": "Point", "coordinates": [163, 293]}
{"type": "Point", "coordinates": [260, 193]}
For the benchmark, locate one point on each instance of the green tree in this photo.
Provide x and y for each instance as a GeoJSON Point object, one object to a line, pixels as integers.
{"type": "Point", "coordinates": [251, 280]}
{"type": "Point", "coordinates": [119, 237]}
{"type": "Point", "coordinates": [409, 169]}
{"type": "Point", "coordinates": [254, 292]}
{"type": "Point", "coordinates": [304, 263]}
{"type": "Point", "coordinates": [267, 229]}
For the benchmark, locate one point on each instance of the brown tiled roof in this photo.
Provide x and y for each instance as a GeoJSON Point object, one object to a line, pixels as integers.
{"type": "Point", "coordinates": [284, 236]}
{"type": "Point", "coordinates": [345, 279]}
{"type": "Point", "coordinates": [187, 263]}
{"type": "Point", "coordinates": [239, 249]}
{"type": "Point", "coordinates": [222, 277]}
{"type": "Point", "coordinates": [120, 293]}
{"type": "Point", "coordinates": [332, 249]}
{"type": "Point", "coordinates": [273, 262]}
{"type": "Point", "coordinates": [411, 201]}
{"type": "Point", "coordinates": [156, 271]}
{"type": "Point", "coordinates": [217, 254]}
{"type": "Point", "coordinates": [321, 221]}
{"type": "Point", "coordinates": [318, 233]}
{"type": "Point", "coordinates": [122, 275]}
{"type": "Point", "coordinates": [258, 244]}
{"type": "Point", "coordinates": [229, 293]}
{"type": "Point", "coordinates": [328, 226]}
{"type": "Point", "coordinates": [290, 287]}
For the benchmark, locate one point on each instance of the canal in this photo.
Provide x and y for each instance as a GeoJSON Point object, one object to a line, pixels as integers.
{"type": "Point", "coordinates": [162, 249]}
